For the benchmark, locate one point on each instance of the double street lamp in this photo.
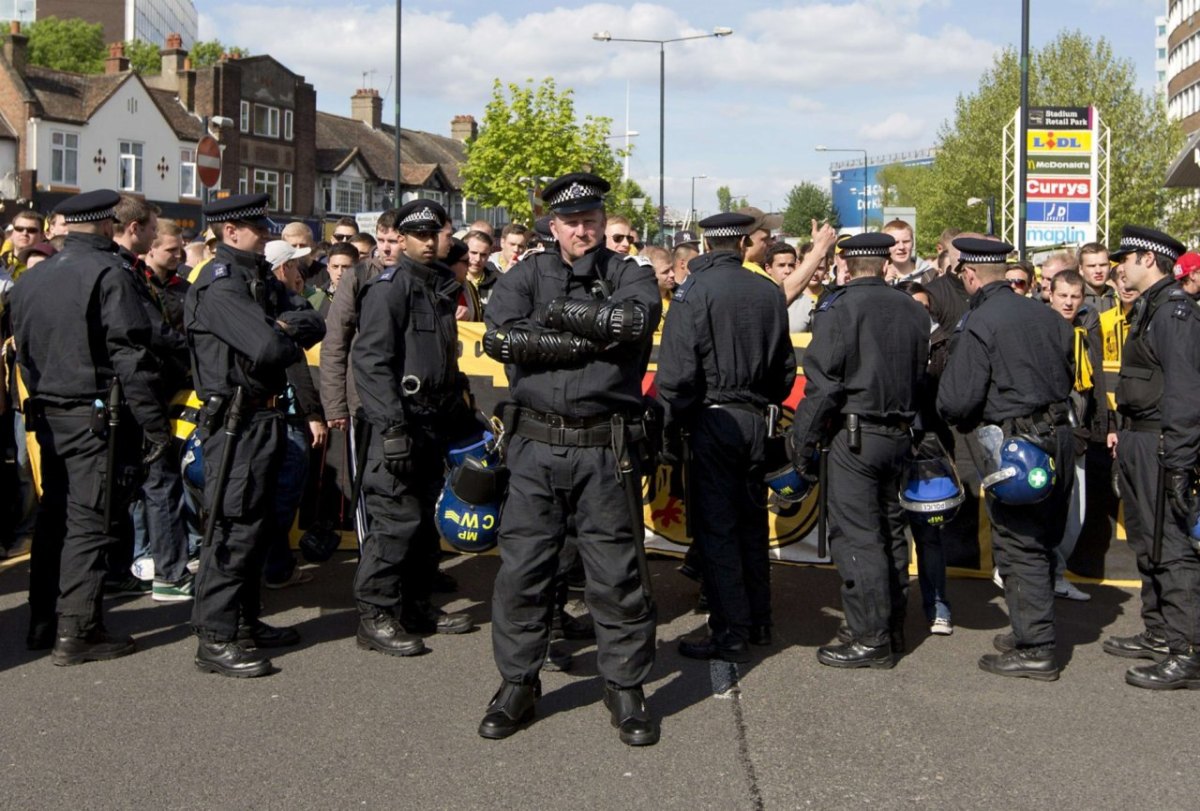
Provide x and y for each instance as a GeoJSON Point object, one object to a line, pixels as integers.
{"type": "Point", "coordinates": [864, 183]}
{"type": "Point", "coordinates": [605, 36]}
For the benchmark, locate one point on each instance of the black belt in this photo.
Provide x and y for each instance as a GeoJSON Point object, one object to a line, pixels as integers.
{"type": "Point", "coordinates": [1151, 426]}
{"type": "Point", "coordinates": [554, 429]}
{"type": "Point", "coordinates": [749, 408]}
{"type": "Point", "coordinates": [898, 423]}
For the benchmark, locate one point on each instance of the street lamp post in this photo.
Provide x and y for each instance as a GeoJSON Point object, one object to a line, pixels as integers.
{"type": "Point", "coordinates": [692, 207]}
{"type": "Point", "coordinates": [866, 200]}
{"type": "Point", "coordinates": [605, 36]}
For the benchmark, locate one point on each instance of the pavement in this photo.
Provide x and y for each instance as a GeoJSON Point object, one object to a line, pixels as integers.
{"type": "Point", "coordinates": [337, 727]}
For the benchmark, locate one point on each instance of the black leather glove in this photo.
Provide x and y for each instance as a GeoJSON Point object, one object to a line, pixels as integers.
{"type": "Point", "coordinates": [397, 452]}
{"type": "Point", "coordinates": [305, 327]}
{"type": "Point", "coordinates": [538, 348]}
{"type": "Point", "coordinates": [804, 458]}
{"type": "Point", "coordinates": [597, 320]}
{"type": "Point", "coordinates": [1181, 495]}
{"type": "Point", "coordinates": [154, 447]}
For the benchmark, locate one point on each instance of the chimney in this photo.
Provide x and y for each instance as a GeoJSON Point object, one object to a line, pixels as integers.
{"type": "Point", "coordinates": [366, 106]}
{"type": "Point", "coordinates": [116, 61]}
{"type": "Point", "coordinates": [173, 56]}
{"type": "Point", "coordinates": [16, 47]}
{"type": "Point", "coordinates": [185, 86]}
{"type": "Point", "coordinates": [463, 128]}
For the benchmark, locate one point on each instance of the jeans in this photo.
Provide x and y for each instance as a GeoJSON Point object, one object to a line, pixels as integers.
{"type": "Point", "coordinates": [931, 571]}
{"type": "Point", "coordinates": [158, 524]}
{"type": "Point", "coordinates": [289, 489]}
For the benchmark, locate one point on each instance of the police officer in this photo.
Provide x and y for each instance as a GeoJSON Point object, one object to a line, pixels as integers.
{"type": "Point", "coordinates": [244, 330]}
{"type": "Point", "coordinates": [405, 363]}
{"type": "Point", "coordinates": [725, 357]}
{"type": "Point", "coordinates": [1012, 366]}
{"type": "Point", "coordinates": [79, 327]}
{"type": "Point", "coordinates": [574, 327]}
{"type": "Point", "coordinates": [1158, 446]}
{"type": "Point", "coordinates": [863, 373]}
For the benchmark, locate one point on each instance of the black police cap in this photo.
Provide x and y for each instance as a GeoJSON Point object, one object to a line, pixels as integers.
{"type": "Point", "coordinates": [249, 208]}
{"type": "Point", "coordinates": [575, 192]}
{"type": "Point", "coordinates": [1136, 238]}
{"type": "Point", "coordinates": [91, 206]}
{"type": "Point", "coordinates": [976, 251]}
{"type": "Point", "coordinates": [730, 224]}
{"type": "Point", "coordinates": [542, 229]}
{"type": "Point", "coordinates": [869, 244]}
{"type": "Point", "coordinates": [421, 216]}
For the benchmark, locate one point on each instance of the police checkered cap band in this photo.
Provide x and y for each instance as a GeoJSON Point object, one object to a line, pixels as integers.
{"type": "Point", "coordinates": [238, 214]}
{"type": "Point", "coordinates": [968, 258]}
{"type": "Point", "coordinates": [90, 216]}
{"type": "Point", "coordinates": [726, 231]}
{"type": "Point", "coordinates": [1143, 244]}
{"type": "Point", "coordinates": [575, 191]}
{"type": "Point", "coordinates": [848, 252]}
{"type": "Point", "coordinates": [420, 216]}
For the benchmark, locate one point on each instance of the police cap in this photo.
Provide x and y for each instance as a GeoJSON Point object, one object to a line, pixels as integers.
{"type": "Point", "coordinates": [575, 192]}
{"type": "Point", "coordinates": [91, 206]}
{"type": "Point", "coordinates": [1136, 238]}
{"type": "Point", "coordinates": [247, 208]}
{"type": "Point", "coordinates": [976, 251]}
{"type": "Point", "coordinates": [869, 244]}
{"type": "Point", "coordinates": [730, 224]}
{"type": "Point", "coordinates": [542, 229]}
{"type": "Point", "coordinates": [421, 216]}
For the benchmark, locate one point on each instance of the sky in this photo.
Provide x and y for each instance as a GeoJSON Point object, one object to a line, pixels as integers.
{"type": "Point", "coordinates": [746, 110]}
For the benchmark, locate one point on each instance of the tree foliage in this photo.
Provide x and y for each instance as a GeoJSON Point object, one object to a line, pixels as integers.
{"type": "Point", "coordinates": [805, 203]}
{"type": "Point", "coordinates": [208, 52]}
{"type": "Point", "coordinates": [629, 201]}
{"type": "Point", "coordinates": [532, 132]}
{"type": "Point", "coordinates": [71, 44]}
{"type": "Point", "coordinates": [143, 57]}
{"type": "Point", "coordinates": [1071, 71]}
{"type": "Point", "coordinates": [725, 201]}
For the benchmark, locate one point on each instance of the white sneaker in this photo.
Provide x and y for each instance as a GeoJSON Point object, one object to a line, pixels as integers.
{"type": "Point", "coordinates": [941, 627]}
{"type": "Point", "coordinates": [143, 568]}
{"type": "Point", "coordinates": [1066, 589]}
{"type": "Point", "coordinates": [996, 578]}
{"type": "Point", "coordinates": [193, 565]}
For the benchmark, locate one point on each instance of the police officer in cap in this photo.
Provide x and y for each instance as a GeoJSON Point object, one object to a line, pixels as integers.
{"type": "Point", "coordinates": [1011, 366]}
{"type": "Point", "coordinates": [405, 364]}
{"type": "Point", "coordinates": [1158, 450]}
{"type": "Point", "coordinates": [574, 327]}
{"type": "Point", "coordinates": [83, 343]}
{"type": "Point", "coordinates": [244, 330]}
{"type": "Point", "coordinates": [725, 357]}
{"type": "Point", "coordinates": [863, 372]}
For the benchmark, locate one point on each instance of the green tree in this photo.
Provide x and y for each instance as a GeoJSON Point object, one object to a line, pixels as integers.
{"type": "Point", "coordinates": [629, 201]}
{"type": "Point", "coordinates": [209, 52]}
{"type": "Point", "coordinates": [724, 199]}
{"type": "Point", "coordinates": [532, 132]}
{"type": "Point", "coordinates": [143, 57]}
{"type": "Point", "coordinates": [805, 203]}
{"type": "Point", "coordinates": [1073, 70]}
{"type": "Point", "coordinates": [72, 44]}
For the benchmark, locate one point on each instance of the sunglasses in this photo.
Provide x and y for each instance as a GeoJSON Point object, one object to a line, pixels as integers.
{"type": "Point", "coordinates": [619, 238]}
{"type": "Point", "coordinates": [343, 237]}
{"type": "Point", "coordinates": [26, 229]}
{"type": "Point", "coordinates": [1018, 283]}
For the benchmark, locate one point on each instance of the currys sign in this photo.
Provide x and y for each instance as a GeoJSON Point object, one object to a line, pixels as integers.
{"type": "Point", "coordinates": [1058, 188]}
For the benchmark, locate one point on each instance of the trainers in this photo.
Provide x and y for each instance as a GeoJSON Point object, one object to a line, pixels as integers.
{"type": "Point", "coordinates": [129, 586]}
{"type": "Point", "coordinates": [165, 591]}
{"type": "Point", "coordinates": [193, 565]}
{"type": "Point", "coordinates": [143, 568]}
{"type": "Point", "coordinates": [996, 578]}
{"type": "Point", "coordinates": [298, 577]}
{"type": "Point", "coordinates": [941, 627]}
{"type": "Point", "coordinates": [1066, 590]}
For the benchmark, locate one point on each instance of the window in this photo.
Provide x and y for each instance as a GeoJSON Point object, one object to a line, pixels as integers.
{"type": "Point", "coordinates": [287, 125]}
{"type": "Point", "coordinates": [131, 166]}
{"type": "Point", "coordinates": [266, 120]}
{"type": "Point", "coordinates": [349, 196]}
{"type": "Point", "coordinates": [243, 181]}
{"type": "Point", "coordinates": [245, 116]}
{"type": "Point", "coordinates": [187, 173]}
{"type": "Point", "coordinates": [326, 194]}
{"type": "Point", "coordinates": [267, 182]}
{"type": "Point", "coordinates": [287, 191]}
{"type": "Point", "coordinates": [64, 158]}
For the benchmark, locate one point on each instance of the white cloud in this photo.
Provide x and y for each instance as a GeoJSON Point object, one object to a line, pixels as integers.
{"type": "Point", "coordinates": [896, 127]}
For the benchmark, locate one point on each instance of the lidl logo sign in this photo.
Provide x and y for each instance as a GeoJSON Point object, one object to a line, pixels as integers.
{"type": "Point", "coordinates": [1049, 141]}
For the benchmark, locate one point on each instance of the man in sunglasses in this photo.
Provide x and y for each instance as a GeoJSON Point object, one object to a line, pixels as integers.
{"type": "Point", "coordinates": [345, 230]}
{"type": "Point", "coordinates": [26, 230]}
{"type": "Point", "coordinates": [618, 235]}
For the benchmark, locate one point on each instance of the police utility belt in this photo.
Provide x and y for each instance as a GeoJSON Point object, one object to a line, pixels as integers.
{"type": "Point", "coordinates": [212, 413]}
{"type": "Point", "coordinates": [1149, 426]}
{"type": "Point", "coordinates": [577, 432]}
{"type": "Point", "coordinates": [1041, 422]}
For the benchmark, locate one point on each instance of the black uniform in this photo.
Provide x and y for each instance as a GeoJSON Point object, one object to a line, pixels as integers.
{"type": "Point", "coordinates": [867, 358]}
{"type": "Point", "coordinates": [78, 324]}
{"type": "Point", "coordinates": [230, 316]}
{"type": "Point", "coordinates": [407, 340]}
{"type": "Point", "coordinates": [725, 356]}
{"type": "Point", "coordinates": [1011, 365]}
{"type": "Point", "coordinates": [567, 438]}
{"type": "Point", "coordinates": [1157, 397]}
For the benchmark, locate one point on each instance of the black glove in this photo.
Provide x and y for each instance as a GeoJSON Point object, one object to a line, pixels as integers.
{"type": "Point", "coordinates": [397, 452]}
{"type": "Point", "coordinates": [539, 348]}
{"type": "Point", "coordinates": [305, 327]}
{"type": "Point", "coordinates": [153, 448]}
{"type": "Point", "coordinates": [671, 452]}
{"type": "Point", "coordinates": [598, 320]}
{"type": "Point", "coordinates": [804, 458]}
{"type": "Point", "coordinates": [1181, 495]}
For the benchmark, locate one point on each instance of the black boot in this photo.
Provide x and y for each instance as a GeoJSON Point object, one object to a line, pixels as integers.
{"type": "Point", "coordinates": [42, 633]}
{"type": "Point", "coordinates": [564, 626]}
{"type": "Point", "coordinates": [725, 647]}
{"type": "Point", "coordinates": [231, 659]}
{"type": "Point", "coordinates": [96, 646]}
{"type": "Point", "coordinates": [633, 721]}
{"type": "Point", "coordinates": [1029, 663]}
{"type": "Point", "coordinates": [384, 633]}
{"type": "Point", "coordinates": [1139, 646]}
{"type": "Point", "coordinates": [510, 709]}
{"type": "Point", "coordinates": [427, 619]}
{"type": "Point", "coordinates": [258, 634]}
{"type": "Point", "coordinates": [760, 634]}
{"type": "Point", "coordinates": [557, 660]}
{"type": "Point", "coordinates": [856, 654]}
{"type": "Point", "coordinates": [1004, 642]}
{"type": "Point", "coordinates": [1176, 671]}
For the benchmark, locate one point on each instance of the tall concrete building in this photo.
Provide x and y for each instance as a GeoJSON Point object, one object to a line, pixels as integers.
{"type": "Point", "coordinates": [148, 20]}
{"type": "Point", "coordinates": [1182, 30]}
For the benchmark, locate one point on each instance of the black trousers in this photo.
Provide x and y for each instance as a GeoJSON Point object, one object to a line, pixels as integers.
{"type": "Point", "coordinates": [228, 583]}
{"type": "Point", "coordinates": [1170, 588]}
{"type": "Point", "coordinates": [400, 551]}
{"type": "Point", "coordinates": [866, 529]}
{"type": "Point", "coordinates": [1026, 537]}
{"type": "Point", "coordinates": [729, 518]}
{"type": "Point", "coordinates": [549, 486]}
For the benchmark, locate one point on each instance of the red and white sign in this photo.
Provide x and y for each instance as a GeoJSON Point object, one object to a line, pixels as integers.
{"type": "Point", "coordinates": [1059, 188]}
{"type": "Point", "coordinates": [208, 161]}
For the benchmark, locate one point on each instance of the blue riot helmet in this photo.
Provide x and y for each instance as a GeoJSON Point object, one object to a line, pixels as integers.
{"type": "Point", "coordinates": [480, 446]}
{"type": "Point", "coordinates": [468, 510]}
{"type": "Point", "coordinates": [192, 464]}
{"type": "Point", "coordinates": [1017, 470]}
{"type": "Point", "coordinates": [932, 492]}
{"type": "Point", "coordinates": [788, 485]}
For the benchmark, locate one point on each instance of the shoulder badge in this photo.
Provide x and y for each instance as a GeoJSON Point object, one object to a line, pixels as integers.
{"type": "Point", "coordinates": [962, 322]}
{"type": "Point", "coordinates": [387, 275]}
{"type": "Point", "coordinates": [827, 302]}
{"type": "Point", "coordinates": [682, 290]}
{"type": "Point", "coordinates": [641, 260]}
{"type": "Point", "coordinates": [220, 270]}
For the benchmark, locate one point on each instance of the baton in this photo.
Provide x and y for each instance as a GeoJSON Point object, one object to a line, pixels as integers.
{"type": "Point", "coordinates": [110, 475]}
{"type": "Point", "coordinates": [823, 504]}
{"type": "Point", "coordinates": [360, 464]}
{"type": "Point", "coordinates": [1160, 508]}
{"type": "Point", "coordinates": [233, 419]}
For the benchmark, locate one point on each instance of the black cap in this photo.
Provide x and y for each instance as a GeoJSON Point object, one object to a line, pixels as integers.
{"type": "Point", "coordinates": [869, 244]}
{"type": "Point", "coordinates": [91, 206]}
{"type": "Point", "coordinates": [542, 229]}
{"type": "Point", "coordinates": [684, 238]}
{"type": "Point", "coordinates": [976, 251]}
{"type": "Point", "coordinates": [727, 225]}
{"type": "Point", "coordinates": [248, 208]}
{"type": "Point", "coordinates": [576, 192]}
{"type": "Point", "coordinates": [458, 251]}
{"type": "Point", "coordinates": [421, 215]}
{"type": "Point", "coordinates": [1136, 238]}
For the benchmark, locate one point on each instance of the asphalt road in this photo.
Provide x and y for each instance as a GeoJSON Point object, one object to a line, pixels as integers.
{"type": "Point", "coordinates": [337, 727]}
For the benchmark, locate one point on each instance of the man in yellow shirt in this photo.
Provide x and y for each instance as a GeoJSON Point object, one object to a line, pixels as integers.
{"type": "Point", "coordinates": [760, 238]}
